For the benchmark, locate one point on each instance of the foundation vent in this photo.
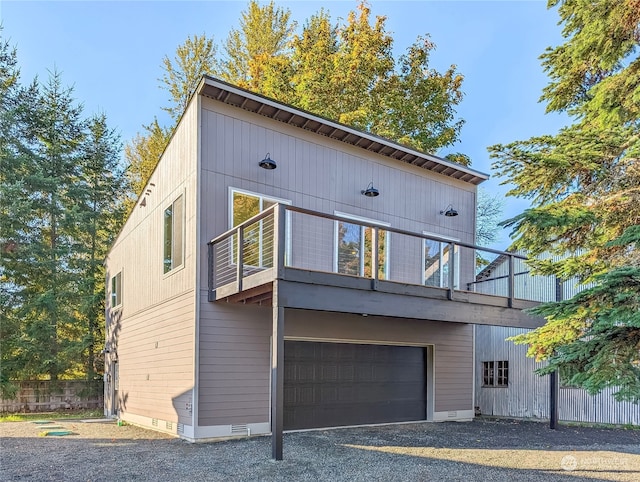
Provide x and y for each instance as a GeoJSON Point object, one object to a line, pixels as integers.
{"type": "Point", "coordinates": [169, 425]}
{"type": "Point", "coordinates": [181, 428]}
{"type": "Point", "coordinates": [240, 429]}
{"type": "Point", "coordinates": [452, 414]}
{"type": "Point", "coordinates": [154, 422]}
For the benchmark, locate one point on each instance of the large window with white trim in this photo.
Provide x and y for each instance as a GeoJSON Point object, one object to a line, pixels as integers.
{"type": "Point", "coordinates": [436, 261]}
{"type": "Point", "coordinates": [354, 247]}
{"type": "Point", "coordinates": [174, 235]}
{"type": "Point", "coordinates": [258, 237]}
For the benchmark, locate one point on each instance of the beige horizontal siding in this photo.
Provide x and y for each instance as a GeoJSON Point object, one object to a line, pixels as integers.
{"type": "Point", "coordinates": [234, 364]}
{"type": "Point", "coordinates": [157, 382]}
{"type": "Point", "coordinates": [234, 382]}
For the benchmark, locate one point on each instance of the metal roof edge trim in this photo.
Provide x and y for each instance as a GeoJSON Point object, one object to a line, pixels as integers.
{"type": "Point", "coordinates": [214, 82]}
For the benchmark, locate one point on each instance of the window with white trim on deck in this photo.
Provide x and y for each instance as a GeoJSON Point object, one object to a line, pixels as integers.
{"type": "Point", "coordinates": [354, 247]}
{"type": "Point", "coordinates": [436, 257]}
{"type": "Point", "coordinates": [258, 237]}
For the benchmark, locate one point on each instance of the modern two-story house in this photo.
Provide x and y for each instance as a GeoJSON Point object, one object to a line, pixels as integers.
{"type": "Point", "coordinates": [282, 271]}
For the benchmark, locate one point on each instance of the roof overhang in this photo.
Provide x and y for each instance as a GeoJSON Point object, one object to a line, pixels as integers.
{"type": "Point", "coordinates": [258, 104]}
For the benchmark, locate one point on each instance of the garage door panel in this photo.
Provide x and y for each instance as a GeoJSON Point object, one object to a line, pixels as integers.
{"type": "Point", "coordinates": [331, 384]}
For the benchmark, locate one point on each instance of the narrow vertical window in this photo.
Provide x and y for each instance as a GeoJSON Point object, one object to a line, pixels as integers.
{"type": "Point", "coordinates": [437, 259]}
{"type": "Point", "coordinates": [354, 247]}
{"type": "Point", "coordinates": [116, 290]}
{"type": "Point", "coordinates": [487, 374]}
{"type": "Point", "coordinates": [502, 380]}
{"type": "Point", "coordinates": [173, 235]}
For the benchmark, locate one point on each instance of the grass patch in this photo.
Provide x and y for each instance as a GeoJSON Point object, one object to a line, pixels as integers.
{"type": "Point", "coordinates": [62, 415]}
{"type": "Point", "coordinates": [626, 426]}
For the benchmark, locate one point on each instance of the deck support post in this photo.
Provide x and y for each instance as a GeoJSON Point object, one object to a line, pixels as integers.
{"type": "Point", "coordinates": [553, 400]}
{"type": "Point", "coordinates": [554, 382]}
{"type": "Point", "coordinates": [511, 283]}
{"type": "Point", "coordinates": [277, 376]}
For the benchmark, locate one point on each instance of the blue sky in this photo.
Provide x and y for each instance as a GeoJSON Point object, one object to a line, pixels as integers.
{"type": "Point", "coordinates": [111, 53]}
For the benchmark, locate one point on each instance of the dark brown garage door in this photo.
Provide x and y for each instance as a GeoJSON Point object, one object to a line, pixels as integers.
{"type": "Point", "coordinates": [334, 384]}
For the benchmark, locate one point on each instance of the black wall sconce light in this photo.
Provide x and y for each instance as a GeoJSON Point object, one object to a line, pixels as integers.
{"type": "Point", "coordinates": [370, 191]}
{"type": "Point", "coordinates": [449, 211]}
{"type": "Point", "coordinates": [268, 163]}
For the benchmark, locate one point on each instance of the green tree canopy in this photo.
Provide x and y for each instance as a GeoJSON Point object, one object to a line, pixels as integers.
{"type": "Point", "coordinates": [256, 52]}
{"type": "Point", "coordinates": [584, 187]}
{"type": "Point", "coordinates": [142, 153]}
{"type": "Point", "coordinates": [345, 72]}
{"type": "Point", "coordinates": [193, 59]}
{"type": "Point", "coordinates": [60, 204]}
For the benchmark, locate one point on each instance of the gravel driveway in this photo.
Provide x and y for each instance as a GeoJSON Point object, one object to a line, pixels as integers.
{"type": "Point", "coordinates": [480, 450]}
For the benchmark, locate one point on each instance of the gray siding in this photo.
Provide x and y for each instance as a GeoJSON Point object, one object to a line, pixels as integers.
{"type": "Point", "coordinates": [234, 364]}
{"type": "Point", "coordinates": [527, 395]}
{"type": "Point", "coordinates": [453, 345]}
{"type": "Point", "coordinates": [153, 332]}
{"type": "Point", "coordinates": [325, 175]}
{"type": "Point", "coordinates": [155, 355]}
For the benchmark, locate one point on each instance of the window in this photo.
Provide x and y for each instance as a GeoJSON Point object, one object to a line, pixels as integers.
{"type": "Point", "coordinates": [258, 237]}
{"type": "Point", "coordinates": [174, 235]}
{"type": "Point", "coordinates": [354, 248]}
{"type": "Point", "coordinates": [495, 374]}
{"type": "Point", "coordinates": [436, 261]}
{"type": "Point", "coordinates": [116, 376]}
{"type": "Point", "coordinates": [116, 290]}
{"type": "Point", "coordinates": [502, 378]}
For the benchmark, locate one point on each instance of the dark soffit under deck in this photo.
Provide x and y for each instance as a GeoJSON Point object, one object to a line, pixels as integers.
{"type": "Point", "coordinates": [311, 290]}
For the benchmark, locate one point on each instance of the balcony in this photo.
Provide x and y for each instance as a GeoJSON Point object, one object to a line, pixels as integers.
{"type": "Point", "coordinates": [318, 261]}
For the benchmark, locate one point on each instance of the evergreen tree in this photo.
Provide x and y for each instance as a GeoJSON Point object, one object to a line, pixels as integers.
{"type": "Point", "coordinates": [11, 147]}
{"type": "Point", "coordinates": [193, 59]}
{"type": "Point", "coordinates": [60, 206]}
{"type": "Point", "coordinates": [42, 220]}
{"type": "Point", "coordinates": [102, 207]}
{"type": "Point", "coordinates": [584, 186]}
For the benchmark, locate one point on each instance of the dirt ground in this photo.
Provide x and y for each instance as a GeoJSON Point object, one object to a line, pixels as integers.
{"type": "Point", "coordinates": [483, 450]}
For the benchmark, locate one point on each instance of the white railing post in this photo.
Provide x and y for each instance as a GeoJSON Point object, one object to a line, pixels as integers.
{"type": "Point", "coordinates": [240, 259]}
{"type": "Point", "coordinates": [279, 238]}
{"type": "Point", "coordinates": [375, 262]}
{"type": "Point", "coordinates": [452, 270]}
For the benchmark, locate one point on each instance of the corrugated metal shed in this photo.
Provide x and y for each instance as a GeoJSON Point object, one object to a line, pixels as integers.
{"type": "Point", "coordinates": [527, 394]}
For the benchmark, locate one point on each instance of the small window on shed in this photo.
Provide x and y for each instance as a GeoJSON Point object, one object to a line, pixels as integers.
{"type": "Point", "coordinates": [487, 374]}
{"type": "Point", "coordinates": [502, 378]}
{"type": "Point", "coordinates": [495, 373]}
